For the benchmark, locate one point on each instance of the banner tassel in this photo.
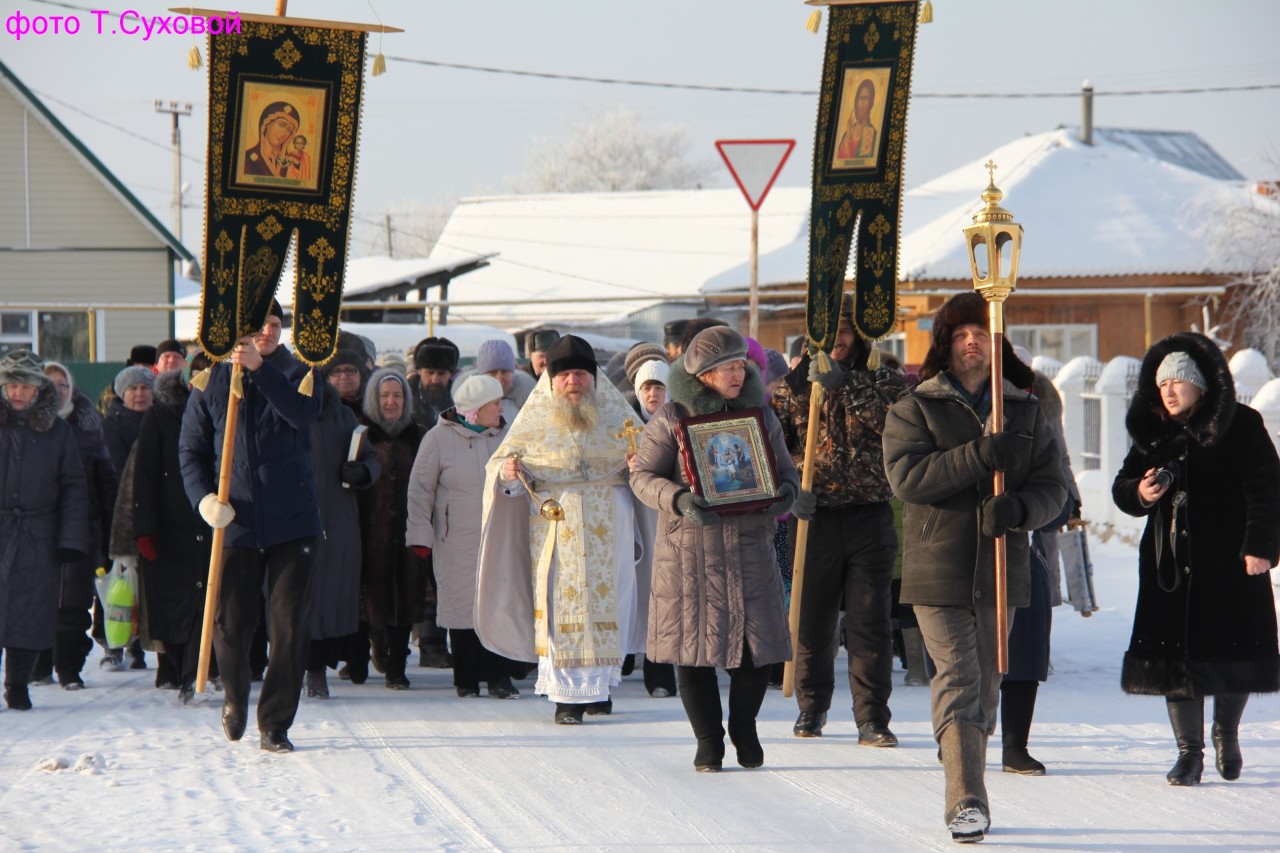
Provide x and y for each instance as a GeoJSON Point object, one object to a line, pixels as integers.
{"type": "Point", "coordinates": [193, 58]}
{"type": "Point", "coordinates": [926, 12]}
{"type": "Point", "coordinates": [815, 20]}
{"type": "Point", "coordinates": [200, 381]}
{"type": "Point", "coordinates": [379, 64]}
{"type": "Point", "coordinates": [308, 386]}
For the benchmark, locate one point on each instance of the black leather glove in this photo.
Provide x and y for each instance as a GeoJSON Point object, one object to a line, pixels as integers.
{"type": "Point", "coordinates": [355, 474]}
{"type": "Point", "coordinates": [805, 506]}
{"type": "Point", "coordinates": [696, 510]}
{"type": "Point", "coordinates": [831, 380]}
{"type": "Point", "coordinates": [1000, 450]}
{"type": "Point", "coordinates": [69, 555]}
{"type": "Point", "coordinates": [786, 497]}
{"type": "Point", "coordinates": [1001, 513]}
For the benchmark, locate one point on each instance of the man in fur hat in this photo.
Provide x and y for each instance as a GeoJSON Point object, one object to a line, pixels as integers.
{"type": "Point", "coordinates": [435, 360]}
{"type": "Point", "coordinates": [940, 454]}
{"type": "Point", "coordinates": [574, 574]}
{"type": "Point", "coordinates": [852, 542]}
{"type": "Point", "coordinates": [536, 345]}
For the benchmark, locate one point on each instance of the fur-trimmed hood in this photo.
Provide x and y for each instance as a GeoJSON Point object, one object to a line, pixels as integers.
{"type": "Point", "coordinates": [372, 410]}
{"type": "Point", "coordinates": [42, 414]}
{"type": "Point", "coordinates": [1147, 422]}
{"type": "Point", "coordinates": [172, 391]}
{"type": "Point", "coordinates": [699, 399]}
{"type": "Point", "coordinates": [84, 415]}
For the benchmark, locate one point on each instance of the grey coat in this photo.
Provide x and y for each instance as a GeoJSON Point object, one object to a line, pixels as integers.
{"type": "Point", "coordinates": [930, 452]}
{"type": "Point", "coordinates": [446, 494]}
{"type": "Point", "coordinates": [44, 508]}
{"type": "Point", "coordinates": [715, 589]}
{"type": "Point", "coordinates": [335, 568]}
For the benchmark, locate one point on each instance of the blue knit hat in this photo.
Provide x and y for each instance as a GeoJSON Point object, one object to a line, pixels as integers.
{"type": "Point", "coordinates": [495, 355]}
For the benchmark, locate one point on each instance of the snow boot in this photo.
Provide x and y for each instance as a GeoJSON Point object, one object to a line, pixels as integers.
{"type": "Point", "coordinates": [18, 666]}
{"type": "Point", "coordinates": [1228, 708]}
{"type": "Point", "coordinates": [700, 695]}
{"type": "Point", "coordinates": [659, 679]}
{"type": "Point", "coordinates": [1187, 717]}
{"type": "Point", "coordinates": [964, 757]}
{"type": "Point", "coordinates": [1017, 707]}
{"type": "Point", "coordinates": [914, 643]}
{"type": "Point", "coordinates": [317, 685]}
{"type": "Point", "coordinates": [568, 714]}
{"type": "Point", "coordinates": [502, 688]}
{"type": "Point", "coordinates": [747, 688]}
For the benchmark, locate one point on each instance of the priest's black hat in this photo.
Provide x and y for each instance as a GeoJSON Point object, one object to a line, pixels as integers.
{"type": "Point", "coordinates": [571, 353]}
{"type": "Point", "coordinates": [144, 354]}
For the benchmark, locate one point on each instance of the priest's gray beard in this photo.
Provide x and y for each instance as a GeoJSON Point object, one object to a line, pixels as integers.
{"type": "Point", "coordinates": [580, 417]}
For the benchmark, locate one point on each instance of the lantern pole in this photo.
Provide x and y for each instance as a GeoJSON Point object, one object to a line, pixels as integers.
{"type": "Point", "coordinates": [992, 231]}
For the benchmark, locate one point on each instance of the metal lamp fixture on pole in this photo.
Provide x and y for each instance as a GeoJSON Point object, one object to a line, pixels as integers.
{"type": "Point", "coordinates": [994, 243]}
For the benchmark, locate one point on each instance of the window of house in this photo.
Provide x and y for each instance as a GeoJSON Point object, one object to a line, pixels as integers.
{"type": "Point", "coordinates": [53, 335]}
{"type": "Point", "coordinates": [1060, 342]}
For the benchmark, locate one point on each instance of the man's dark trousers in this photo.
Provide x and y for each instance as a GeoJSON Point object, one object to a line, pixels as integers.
{"type": "Point", "coordinates": [850, 558]}
{"type": "Point", "coordinates": [286, 571]}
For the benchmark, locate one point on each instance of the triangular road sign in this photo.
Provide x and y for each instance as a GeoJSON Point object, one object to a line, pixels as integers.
{"type": "Point", "coordinates": [755, 164]}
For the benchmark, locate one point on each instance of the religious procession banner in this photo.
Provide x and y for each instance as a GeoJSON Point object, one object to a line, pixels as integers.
{"type": "Point", "coordinates": [284, 118]}
{"type": "Point", "coordinates": [857, 164]}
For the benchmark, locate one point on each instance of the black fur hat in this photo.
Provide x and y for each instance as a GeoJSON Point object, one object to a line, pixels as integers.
{"type": "Point", "coordinates": [435, 354]}
{"type": "Point", "coordinates": [963, 309]}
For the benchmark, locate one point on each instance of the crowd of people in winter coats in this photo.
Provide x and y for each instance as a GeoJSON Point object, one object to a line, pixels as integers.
{"type": "Point", "coordinates": [379, 473]}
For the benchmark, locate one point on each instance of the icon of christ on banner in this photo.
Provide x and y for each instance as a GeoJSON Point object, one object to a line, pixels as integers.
{"type": "Point", "coordinates": [863, 98]}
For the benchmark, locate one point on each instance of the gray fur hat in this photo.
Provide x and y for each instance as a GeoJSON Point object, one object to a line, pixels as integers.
{"type": "Point", "coordinates": [133, 375]}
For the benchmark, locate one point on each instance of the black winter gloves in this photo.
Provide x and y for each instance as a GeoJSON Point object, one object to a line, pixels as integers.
{"type": "Point", "coordinates": [786, 496]}
{"type": "Point", "coordinates": [999, 451]}
{"type": "Point", "coordinates": [1001, 513]}
{"type": "Point", "coordinates": [831, 380]}
{"type": "Point", "coordinates": [355, 474]}
{"type": "Point", "coordinates": [805, 506]}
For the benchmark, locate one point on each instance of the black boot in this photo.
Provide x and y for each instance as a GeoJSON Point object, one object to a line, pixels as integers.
{"type": "Point", "coordinates": [659, 679]}
{"type": "Point", "coordinates": [1017, 707]}
{"type": "Point", "coordinates": [395, 652]}
{"type": "Point", "coordinates": [700, 695]}
{"type": "Point", "coordinates": [747, 688]}
{"type": "Point", "coordinates": [1187, 717]}
{"type": "Point", "coordinates": [18, 666]}
{"type": "Point", "coordinates": [1227, 710]}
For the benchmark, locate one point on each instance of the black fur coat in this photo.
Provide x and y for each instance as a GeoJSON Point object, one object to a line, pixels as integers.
{"type": "Point", "coordinates": [1203, 626]}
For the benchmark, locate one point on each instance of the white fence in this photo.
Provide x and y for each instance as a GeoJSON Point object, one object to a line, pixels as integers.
{"type": "Point", "coordinates": [1095, 398]}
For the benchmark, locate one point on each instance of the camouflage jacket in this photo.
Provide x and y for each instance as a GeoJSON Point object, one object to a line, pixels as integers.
{"type": "Point", "coordinates": [850, 459]}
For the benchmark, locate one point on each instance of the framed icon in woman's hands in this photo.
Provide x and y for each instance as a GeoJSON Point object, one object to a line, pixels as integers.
{"type": "Point", "coordinates": [728, 460]}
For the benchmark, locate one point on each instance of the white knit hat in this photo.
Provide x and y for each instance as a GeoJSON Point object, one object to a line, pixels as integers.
{"type": "Point", "coordinates": [1182, 367]}
{"type": "Point", "coordinates": [652, 371]}
{"type": "Point", "coordinates": [477, 390]}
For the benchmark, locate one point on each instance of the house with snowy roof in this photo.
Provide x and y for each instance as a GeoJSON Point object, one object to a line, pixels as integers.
{"type": "Point", "coordinates": [1116, 253]}
{"type": "Point", "coordinates": [617, 264]}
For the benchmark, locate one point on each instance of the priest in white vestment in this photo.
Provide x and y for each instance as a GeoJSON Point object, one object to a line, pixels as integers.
{"type": "Point", "coordinates": [562, 587]}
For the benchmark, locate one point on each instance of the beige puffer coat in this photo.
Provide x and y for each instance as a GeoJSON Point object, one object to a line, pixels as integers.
{"type": "Point", "coordinates": [715, 589]}
{"type": "Point", "coordinates": [446, 491]}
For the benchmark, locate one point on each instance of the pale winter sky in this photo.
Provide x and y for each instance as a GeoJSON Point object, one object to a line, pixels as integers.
{"type": "Point", "coordinates": [431, 133]}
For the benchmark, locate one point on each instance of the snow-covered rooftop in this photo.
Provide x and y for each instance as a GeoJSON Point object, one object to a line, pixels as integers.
{"type": "Point", "coordinates": [640, 248]}
{"type": "Point", "coordinates": [1132, 203]}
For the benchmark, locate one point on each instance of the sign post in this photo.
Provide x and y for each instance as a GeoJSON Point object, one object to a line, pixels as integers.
{"type": "Point", "coordinates": [755, 165]}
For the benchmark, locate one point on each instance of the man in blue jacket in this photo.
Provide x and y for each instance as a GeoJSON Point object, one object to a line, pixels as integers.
{"type": "Point", "coordinates": [272, 522]}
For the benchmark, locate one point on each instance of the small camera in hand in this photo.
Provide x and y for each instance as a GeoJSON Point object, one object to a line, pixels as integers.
{"type": "Point", "coordinates": [1166, 475]}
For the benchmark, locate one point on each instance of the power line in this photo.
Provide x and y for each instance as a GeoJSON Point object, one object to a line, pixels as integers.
{"type": "Point", "coordinates": [700, 87]}
{"type": "Point", "coordinates": [112, 125]}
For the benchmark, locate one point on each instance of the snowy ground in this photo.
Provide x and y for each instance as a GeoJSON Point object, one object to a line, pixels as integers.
{"type": "Point", "coordinates": [121, 766]}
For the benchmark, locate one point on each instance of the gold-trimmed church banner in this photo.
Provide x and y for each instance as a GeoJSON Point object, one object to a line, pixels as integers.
{"type": "Point", "coordinates": [857, 164]}
{"type": "Point", "coordinates": [284, 119]}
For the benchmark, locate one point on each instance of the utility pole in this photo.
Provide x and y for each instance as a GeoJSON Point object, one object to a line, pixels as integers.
{"type": "Point", "coordinates": [386, 222]}
{"type": "Point", "coordinates": [176, 110]}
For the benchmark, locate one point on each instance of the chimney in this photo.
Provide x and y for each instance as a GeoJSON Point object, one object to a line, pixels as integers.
{"type": "Point", "coordinates": [1086, 118]}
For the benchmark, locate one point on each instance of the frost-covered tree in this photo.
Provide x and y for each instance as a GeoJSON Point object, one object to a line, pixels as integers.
{"type": "Point", "coordinates": [1247, 238]}
{"type": "Point", "coordinates": [611, 151]}
{"type": "Point", "coordinates": [408, 229]}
